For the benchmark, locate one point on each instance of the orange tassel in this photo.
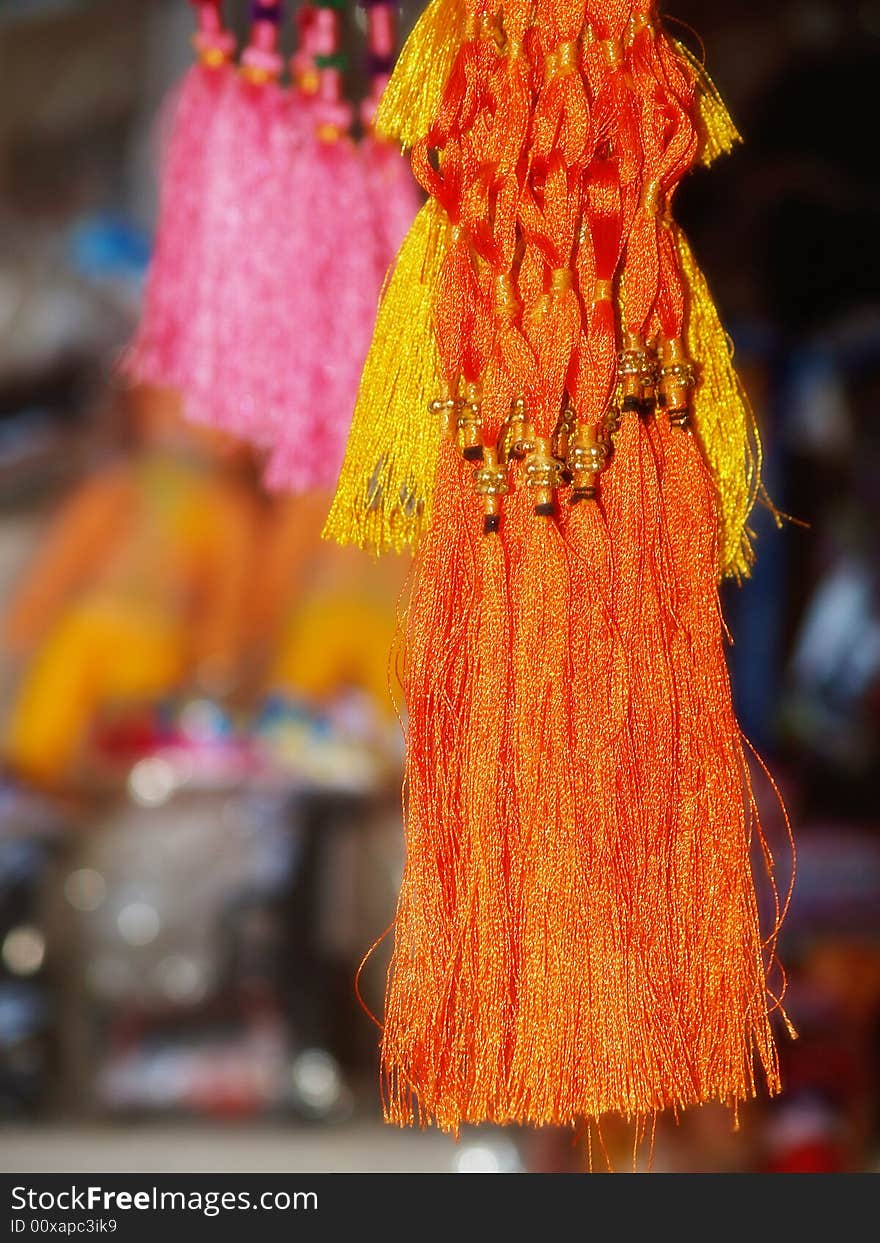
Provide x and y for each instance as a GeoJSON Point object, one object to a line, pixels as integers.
{"type": "Point", "coordinates": [722, 973]}
{"type": "Point", "coordinates": [577, 929]}
{"type": "Point", "coordinates": [430, 998]}
{"type": "Point", "coordinates": [632, 503]}
{"type": "Point", "coordinates": [614, 1063]}
{"type": "Point", "coordinates": [490, 837]}
{"type": "Point", "coordinates": [547, 1030]}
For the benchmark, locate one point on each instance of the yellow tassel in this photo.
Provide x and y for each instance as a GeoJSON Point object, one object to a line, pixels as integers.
{"type": "Point", "coordinates": [723, 420]}
{"type": "Point", "coordinates": [412, 96]}
{"type": "Point", "coordinates": [718, 133]}
{"type": "Point", "coordinates": [383, 497]}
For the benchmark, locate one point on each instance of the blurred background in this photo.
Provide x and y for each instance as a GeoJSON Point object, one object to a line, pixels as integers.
{"type": "Point", "coordinates": [199, 794]}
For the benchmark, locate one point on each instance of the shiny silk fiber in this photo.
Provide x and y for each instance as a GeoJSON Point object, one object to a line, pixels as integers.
{"type": "Point", "coordinates": [577, 931]}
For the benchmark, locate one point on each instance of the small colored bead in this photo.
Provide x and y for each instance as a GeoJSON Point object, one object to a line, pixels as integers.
{"type": "Point", "coordinates": [267, 11]}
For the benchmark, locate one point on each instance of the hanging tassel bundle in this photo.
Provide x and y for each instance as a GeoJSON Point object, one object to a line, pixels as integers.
{"type": "Point", "coordinates": [609, 797]}
{"type": "Point", "coordinates": [723, 418]}
{"type": "Point", "coordinates": [356, 202]}
{"type": "Point", "coordinates": [632, 501]}
{"type": "Point", "coordinates": [433, 54]}
{"type": "Point", "coordinates": [330, 267]}
{"type": "Point", "coordinates": [228, 339]}
{"type": "Point", "coordinates": [552, 955]}
{"type": "Point", "coordinates": [237, 330]}
{"type": "Point", "coordinates": [161, 347]}
{"type": "Point", "coordinates": [577, 930]}
{"type": "Point", "coordinates": [275, 235]}
{"type": "Point", "coordinates": [383, 498]}
{"type": "Point", "coordinates": [386, 485]}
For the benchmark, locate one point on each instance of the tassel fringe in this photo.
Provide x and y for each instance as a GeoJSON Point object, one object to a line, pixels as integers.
{"type": "Point", "coordinates": [577, 930]}
{"type": "Point", "coordinates": [716, 127]}
{"type": "Point", "coordinates": [723, 419]}
{"type": "Point", "coordinates": [383, 498]}
{"type": "Point", "coordinates": [412, 96]}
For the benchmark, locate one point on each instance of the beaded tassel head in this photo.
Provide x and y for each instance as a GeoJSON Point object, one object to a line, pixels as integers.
{"type": "Point", "coordinates": [389, 443]}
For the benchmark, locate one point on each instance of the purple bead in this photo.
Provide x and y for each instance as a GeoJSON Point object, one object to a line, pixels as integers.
{"type": "Point", "coordinates": [262, 12]}
{"type": "Point", "coordinates": [378, 65]}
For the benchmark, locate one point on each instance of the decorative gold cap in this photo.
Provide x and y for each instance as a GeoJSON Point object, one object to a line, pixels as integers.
{"type": "Point", "coordinates": [677, 379]}
{"type": "Point", "coordinates": [543, 475]}
{"type": "Point", "coordinates": [587, 458]}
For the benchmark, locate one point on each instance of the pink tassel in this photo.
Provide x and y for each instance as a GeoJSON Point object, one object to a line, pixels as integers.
{"type": "Point", "coordinates": [275, 236]}
{"type": "Point", "coordinates": [161, 345]}
{"type": "Point", "coordinates": [356, 205]}
{"type": "Point", "coordinates": [336, 277]}
{"type": "Point", "coordinates": [237, 334]}
{"type": "Point", "coordinates": [237, 330]}
{"type": "Point", "coordinates": [332, 265]}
